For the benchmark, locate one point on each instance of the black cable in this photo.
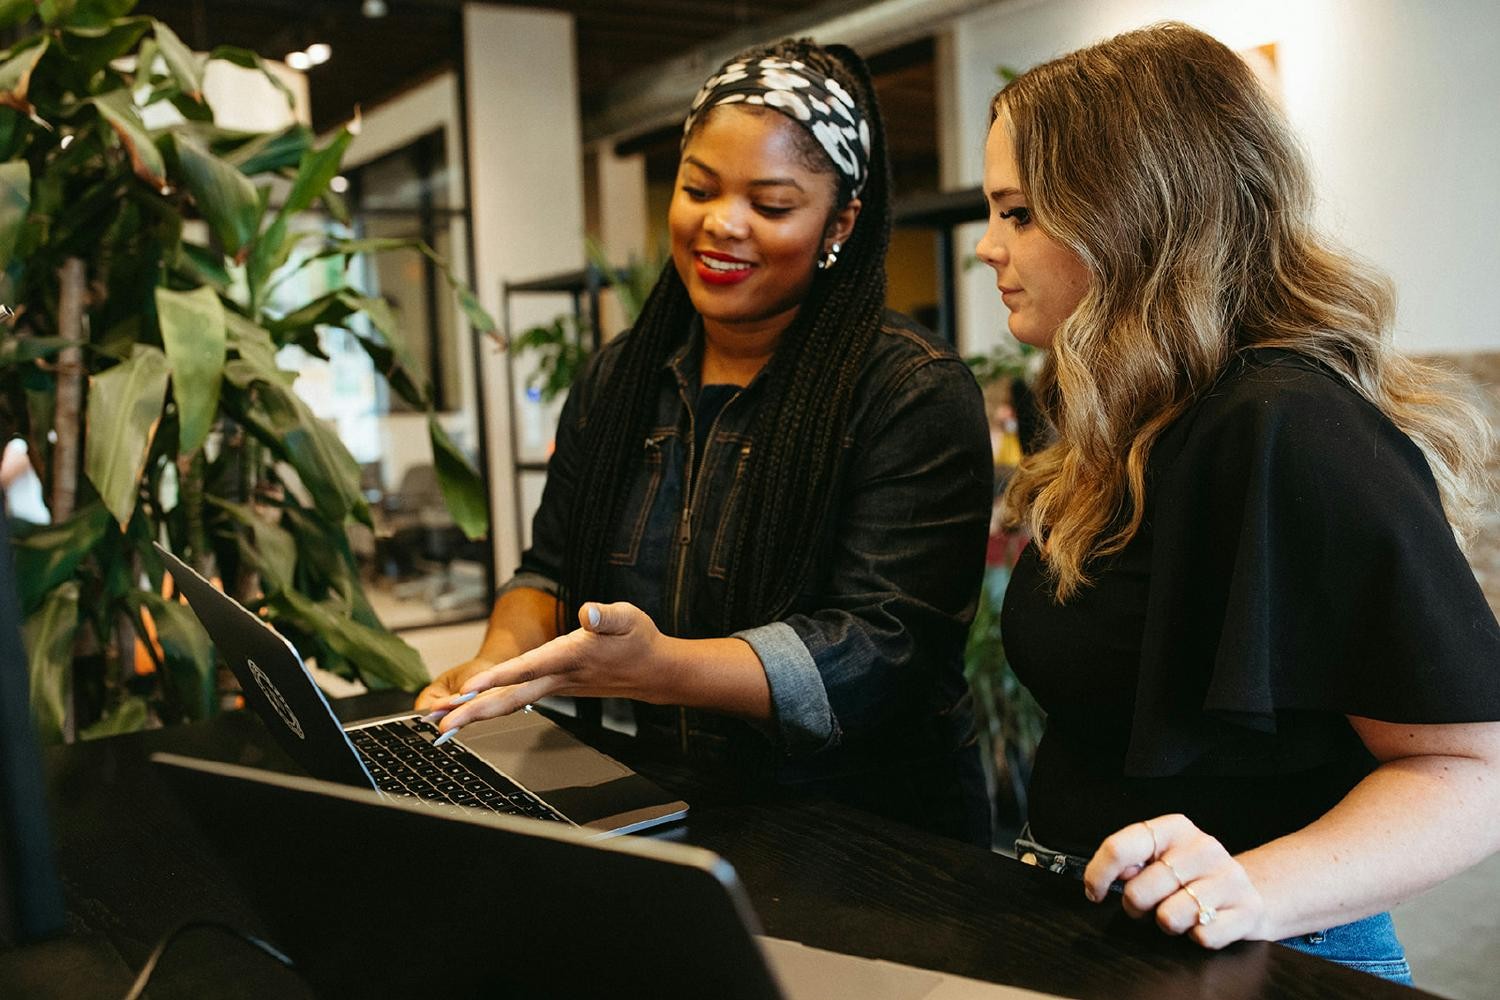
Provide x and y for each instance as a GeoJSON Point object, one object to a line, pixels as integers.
{"type": "Point", "coordinates": [141, 980]}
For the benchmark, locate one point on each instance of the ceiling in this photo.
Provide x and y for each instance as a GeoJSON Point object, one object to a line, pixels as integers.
{"type": "Point", "coordinates": [377, 58]}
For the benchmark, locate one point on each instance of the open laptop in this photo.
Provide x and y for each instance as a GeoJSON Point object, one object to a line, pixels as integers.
{"type": "Point", "coordinates": [383, 898]}
{"type": "Point", "coordinates": [522, 764]}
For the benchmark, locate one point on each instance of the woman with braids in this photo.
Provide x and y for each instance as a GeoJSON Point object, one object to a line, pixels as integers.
{"type": "Point", "coordinates": [769, 500]}
{"type": "Point", "coordinates": [1271, 679]}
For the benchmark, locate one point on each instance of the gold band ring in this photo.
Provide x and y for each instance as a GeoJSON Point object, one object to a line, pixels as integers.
{"type": "Point", "coordinates": [1206, 913]}
{"type": "Point", "coordinates": [1154, 849]}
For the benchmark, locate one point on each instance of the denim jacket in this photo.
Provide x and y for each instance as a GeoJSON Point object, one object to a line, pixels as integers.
{"type": "Point", "coordinates": [867, 666]}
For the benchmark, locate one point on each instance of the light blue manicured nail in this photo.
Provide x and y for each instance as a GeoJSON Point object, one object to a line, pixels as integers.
{"type": "Point", "coordinates": [445, 737]}
{"type": "Point", "coordinates": [594, 616]}
{"type": "Point", "coordinates": [459, 699]}
{"type": "Point", "coordinates": [432, 717]}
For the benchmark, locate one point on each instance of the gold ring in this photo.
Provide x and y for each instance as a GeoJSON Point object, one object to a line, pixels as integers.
{"type": "Point", "coordinates": [1154, 850]}
{"type": "Point", "coordinates": [1206, 914]}
{"type": "Point", "coordinates": [1180, 883]}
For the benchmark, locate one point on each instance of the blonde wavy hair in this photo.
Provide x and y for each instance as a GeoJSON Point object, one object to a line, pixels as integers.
{"type": "Point", "coordinates": [1158, 158]}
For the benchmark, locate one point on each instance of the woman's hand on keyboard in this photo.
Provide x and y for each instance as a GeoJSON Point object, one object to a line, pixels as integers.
{"type": "Point", "coordinates": [435, 696]}
{"type": "Point", "coordinates": [612, 655]}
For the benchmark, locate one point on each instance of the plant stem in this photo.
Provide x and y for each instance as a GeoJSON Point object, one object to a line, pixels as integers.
{"type": "Point", "coordinates": [190, 473]}
{"type": "Point", "coordinates": [72, 293]}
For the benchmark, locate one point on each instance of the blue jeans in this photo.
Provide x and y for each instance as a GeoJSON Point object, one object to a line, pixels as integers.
{"type": "Point", "coordinates": [1368, 945]}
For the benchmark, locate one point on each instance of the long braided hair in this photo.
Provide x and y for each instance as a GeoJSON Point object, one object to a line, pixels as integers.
{"type": "Point", "coordinates": [792, 473]}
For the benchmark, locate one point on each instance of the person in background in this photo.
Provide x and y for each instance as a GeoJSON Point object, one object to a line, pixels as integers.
{"type": "Point", "coordinates": [1272, 682]}
{"type": "Point", "coordinates": [769, 500]}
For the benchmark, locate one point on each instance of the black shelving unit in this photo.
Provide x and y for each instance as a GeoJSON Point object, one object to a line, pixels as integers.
{"type": "Point", "coordinates": [583, 287]}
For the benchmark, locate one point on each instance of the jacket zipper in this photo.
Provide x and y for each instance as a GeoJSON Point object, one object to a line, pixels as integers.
{"type": "Point", "coordinates": [685, 531]}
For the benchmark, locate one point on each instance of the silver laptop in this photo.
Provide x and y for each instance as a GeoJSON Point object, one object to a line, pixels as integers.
{"type": "Point", "coordinates": [522, 764]}
{"type": "Point", "coordinates": [465, 904]}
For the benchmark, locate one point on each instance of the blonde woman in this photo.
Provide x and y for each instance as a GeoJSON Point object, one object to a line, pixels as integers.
{"type": "Point", "coordinates": [1270, 676]}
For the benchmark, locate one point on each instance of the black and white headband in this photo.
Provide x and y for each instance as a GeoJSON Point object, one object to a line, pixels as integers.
{"type": "Point", "coordinates": [817, 102]}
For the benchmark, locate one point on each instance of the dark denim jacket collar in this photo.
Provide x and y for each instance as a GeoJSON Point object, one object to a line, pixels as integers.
{"type": "Point", "coordinates": [686, 363]}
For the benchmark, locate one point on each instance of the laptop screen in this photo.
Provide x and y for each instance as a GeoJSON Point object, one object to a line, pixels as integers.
{"type": "Point", "coordinates": [31, 904]}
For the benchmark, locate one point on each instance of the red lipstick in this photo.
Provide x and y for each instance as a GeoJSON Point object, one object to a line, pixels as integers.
{"type": "Point", "coordinates": [721, 268]}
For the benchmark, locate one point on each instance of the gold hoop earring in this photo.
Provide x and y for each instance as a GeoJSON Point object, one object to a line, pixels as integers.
{"type": "Point", "coordinates": [831, 258]}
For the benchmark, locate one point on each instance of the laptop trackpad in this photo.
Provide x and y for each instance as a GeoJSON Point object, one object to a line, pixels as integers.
{"type": "Point", "coordinates": [574, 778]}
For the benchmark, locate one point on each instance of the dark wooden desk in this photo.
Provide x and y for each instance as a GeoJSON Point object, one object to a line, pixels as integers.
{"type": "Point", "coordinates": [816, 871]}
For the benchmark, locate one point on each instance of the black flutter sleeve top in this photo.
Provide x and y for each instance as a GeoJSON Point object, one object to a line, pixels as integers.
{"type": "Point", "coordinates": [1295, 567]}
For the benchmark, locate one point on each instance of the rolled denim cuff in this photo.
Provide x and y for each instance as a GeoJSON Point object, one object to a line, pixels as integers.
{"type": "Point", "coordinates": [526, 578]}
{"type": "Point", "coordinates": [804, 721]}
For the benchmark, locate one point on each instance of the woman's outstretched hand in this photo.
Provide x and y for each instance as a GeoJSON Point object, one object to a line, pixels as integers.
{"type": "Point", "coordinates": [1182, 876]}
{"type": "Point", "coordinates": [614, 654]}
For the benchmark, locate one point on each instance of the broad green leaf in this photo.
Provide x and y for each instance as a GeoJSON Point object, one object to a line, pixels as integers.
{"type": "Point", "coordinates": [324, 556]}
{"type": "Point", "coordinates": [463, 489]}
{"type": "Point", "coordinates": [478, 318]}
{"type": "Point", "coordinates": [270, 251]}
{"type": "Point", "coordinates": [13, 128]}
{"type": "Point", "coordinates": [13, 12]}
{"type": "Point", "coordinates": [129, 716]}
{"type": "Point", "coordinates": [15, 76]}
{"type": "Point", "coordinates": [327, 469]}
{"type": "Point", "coordinates": [318, 167]}
{"type": "Point", "coordinates": [15, 202]}
{"type": "Point", "coordinates": [145, 66]}
{"type": "Point", "coordinates": [83, 13]}
{"type": "Point", "coordinates": [203, 264]}
{"type": "Point", "coordinates": [47, 555]}
{"type": "Point", "coordinates": [271, 152]}
{"type": "Point", "coordinates": [225, 196]}
{"type": "Point", "coordinates": [187, 654]}
{"type": "Point", "coordinates": [374, 652]}
{"type": "Point", "coordinates": [257, 354]}
{"type": "Point", "coordinates": [388, 350]}
{"type": "Point", "coordinates": [337, 206]}
{"type": "Point", "coordinates": [403, 381]}
{"type": "Point", "coordinates": [289, 428]}
{"type": "Point", "coordinates": [48, 633]}
{"type": "Point", "coordinates": [91, 49]}
{"type": "Point", "coordinates": [145, 159]}
{"type": "Point", "coordinates": [125, 405]}
{"type": "Point", "coordinates": [193, 111]}
{"type": "Point", "coordinates": [325, 310]}
{"type": "Point", "coordinates": [192, 330]}
{"type": "Point", "coordinates": [181, 62]}
{"type": "Point", "coordinates": [268, 547]}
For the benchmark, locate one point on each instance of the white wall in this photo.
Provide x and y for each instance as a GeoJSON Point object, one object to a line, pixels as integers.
{"type": "Point", "coordinates": [624, 226]}
{"type": "Point", "coordinates": [527, 167]}
{"type": "Point", "coordinates": [1397, 102]}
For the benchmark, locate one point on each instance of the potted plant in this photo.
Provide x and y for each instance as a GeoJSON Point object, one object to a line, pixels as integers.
{"type": "Point", "coordinates": [153, 274]}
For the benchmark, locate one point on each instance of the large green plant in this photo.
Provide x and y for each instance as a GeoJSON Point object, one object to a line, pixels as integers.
{"type": "Point", "coordinates": [149, 270]}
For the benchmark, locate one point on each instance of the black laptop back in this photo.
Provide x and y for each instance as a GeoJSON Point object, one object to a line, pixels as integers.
{"type": "Point", "coordinates": [273, 681]}
{"type": "Point", "coordinates": [377, 898]}
{"type": "Point", "coordinates": [31, 901]}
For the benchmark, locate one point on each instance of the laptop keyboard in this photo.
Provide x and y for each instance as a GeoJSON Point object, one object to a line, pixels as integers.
{"type": "Point", "coordinates": [403, 761]}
